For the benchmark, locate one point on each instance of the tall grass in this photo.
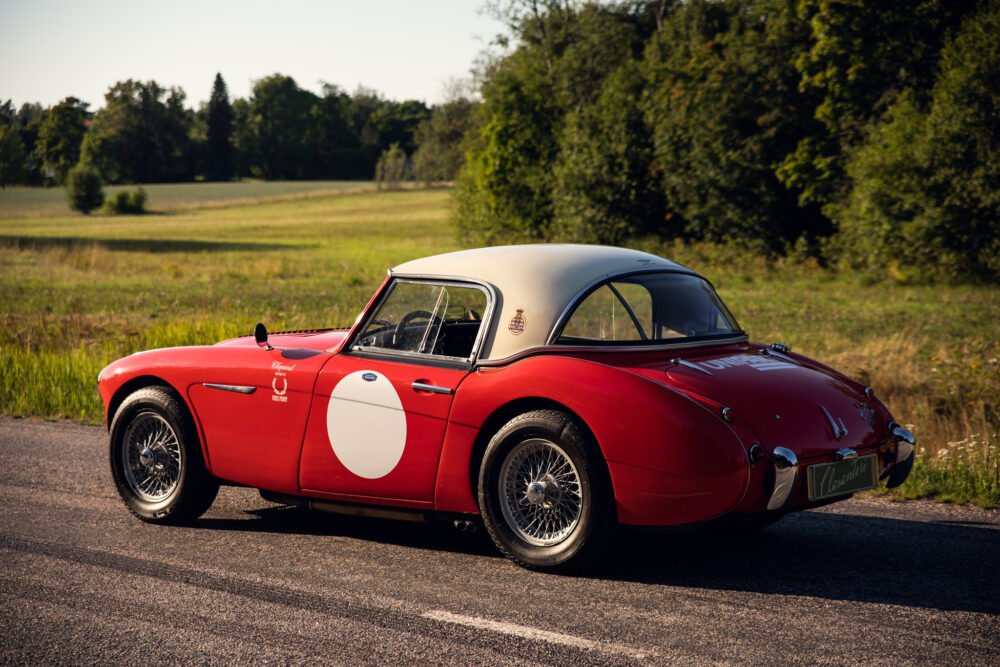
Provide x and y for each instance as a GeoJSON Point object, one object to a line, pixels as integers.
{"type": "Point", "coordinates": [77, 293]}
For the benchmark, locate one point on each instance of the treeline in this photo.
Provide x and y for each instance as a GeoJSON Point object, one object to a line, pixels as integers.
{"type": "Point", "coordinates": [865, 134]}
{"type": "Point", "coordinates": [145, 133]}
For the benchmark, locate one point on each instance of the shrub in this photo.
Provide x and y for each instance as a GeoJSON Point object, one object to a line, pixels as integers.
{"type": "Point", "coordinates": [125, 202]}
{"type": "Point", "coordinates": [83, 188]}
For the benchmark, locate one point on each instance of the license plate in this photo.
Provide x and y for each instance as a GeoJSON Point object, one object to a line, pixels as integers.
{"type": "Point", "coordinates": [841, 478]}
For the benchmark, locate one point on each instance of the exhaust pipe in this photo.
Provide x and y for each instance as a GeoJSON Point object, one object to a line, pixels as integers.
{"type": "Point", "coordinates": [464, 525]}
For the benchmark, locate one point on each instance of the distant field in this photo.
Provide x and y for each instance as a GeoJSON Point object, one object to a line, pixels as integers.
{"type": "Point", "coordinates": [18, 202]}
{"type": "Point", "coordinates": [77, 292]}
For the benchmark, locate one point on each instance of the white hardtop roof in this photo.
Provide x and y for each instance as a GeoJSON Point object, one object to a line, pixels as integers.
{"type": "Point", "coordinates": [534, 283]}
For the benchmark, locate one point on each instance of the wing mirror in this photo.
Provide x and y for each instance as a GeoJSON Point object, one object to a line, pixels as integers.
{"type": "Point", "coordinates": [260, 335]}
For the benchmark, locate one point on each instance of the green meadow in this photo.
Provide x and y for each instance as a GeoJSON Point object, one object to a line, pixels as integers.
{"type": "Point", "coordinates": [77, 292]}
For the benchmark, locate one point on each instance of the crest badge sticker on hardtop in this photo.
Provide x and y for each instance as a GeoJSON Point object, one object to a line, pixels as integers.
{"type": "Point", "coordinates": [517, 323]}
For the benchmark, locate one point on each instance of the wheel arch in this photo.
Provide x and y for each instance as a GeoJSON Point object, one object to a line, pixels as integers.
{"type": "Point", "coordinates": [504, 413]}
{"type": "Point", "coordinates": [143, 381]}
{"type": "Point", "coordinates": [134, 385]}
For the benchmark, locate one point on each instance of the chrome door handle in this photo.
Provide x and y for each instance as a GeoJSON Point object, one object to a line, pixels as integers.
{"type": "Point", "coordinates": [432, 388]}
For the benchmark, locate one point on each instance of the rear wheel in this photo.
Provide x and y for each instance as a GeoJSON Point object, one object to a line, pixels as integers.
{"type": "Point", "coordinates": [544, 493]}
{"type": "Point", "coordinates": [156, 459]}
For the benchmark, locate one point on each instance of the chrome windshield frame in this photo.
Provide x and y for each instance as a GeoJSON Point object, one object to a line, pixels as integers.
{"type": "Point", "coordinates": [578, 298]}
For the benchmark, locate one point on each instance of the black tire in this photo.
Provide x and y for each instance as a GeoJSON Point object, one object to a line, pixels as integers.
{"type": "Point", "coordinates": [579, 543]}
{"type": "Point", "coordinates": [164, 481]}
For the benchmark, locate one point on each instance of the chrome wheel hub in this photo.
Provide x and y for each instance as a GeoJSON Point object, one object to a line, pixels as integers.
{"type": "Point", "coordinates": [540, 493]}
{"type": "Point", "coordinates": [151, 457]}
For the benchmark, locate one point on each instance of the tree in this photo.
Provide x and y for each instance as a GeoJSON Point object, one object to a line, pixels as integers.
{"type": "Point", "coordinates": [724, 106]}
{"type": "Point", "coordinates": [279, 118]}
{"type": "Point", "coordinates": [12, 156]}
{"type": "Point", "coordinates": [392, 169]}
{"type": "Point", "coordinates": [83, 188]}
{"type": "Point", "coordinates": [565, 52]}
{"type": "Point", "coordinates": [861, 57]}
{"type": "Point", "coordinates": [604, 192]}
{"type": "Point", "coordinates": [60, 137]}
{"type": "Point", "coordinates": [925, 202]}
{"type": "Point", "coordinates": [142, 135]}
{"type": "Point", "coordinates": [219, 139]}
{"type": "Point", "coordinates": [439, 139]}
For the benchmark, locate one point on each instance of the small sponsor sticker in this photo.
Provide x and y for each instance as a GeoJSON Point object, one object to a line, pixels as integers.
{"type": "Point", "coordinates": [369, 377]}
{"type": "Point", "coordinates": [517, 323]}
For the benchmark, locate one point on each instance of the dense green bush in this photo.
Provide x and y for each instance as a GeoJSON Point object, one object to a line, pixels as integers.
{"type": "Point", "coordinates": [127, 202]}
{"type": "Point", "coordinates": [84, 189]}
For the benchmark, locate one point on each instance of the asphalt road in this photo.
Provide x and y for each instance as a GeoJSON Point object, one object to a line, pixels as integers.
{"type": "Point", "coordinates": [83, 582]}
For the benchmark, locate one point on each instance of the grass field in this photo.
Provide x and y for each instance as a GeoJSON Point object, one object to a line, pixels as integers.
{"type": "Point", "coordinates": [78, 292]}
{"type": "Point", "coordinates": [18, 202]}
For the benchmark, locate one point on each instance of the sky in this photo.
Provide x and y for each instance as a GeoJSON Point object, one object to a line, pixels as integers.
{"type": "Point", "coordinates": [51, 49]}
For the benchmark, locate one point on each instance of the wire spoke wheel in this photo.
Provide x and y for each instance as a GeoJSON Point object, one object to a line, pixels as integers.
{"type": "Point", "coordinates": [540, 493]}
{"type": "Point", "coordinates": [151, 457]}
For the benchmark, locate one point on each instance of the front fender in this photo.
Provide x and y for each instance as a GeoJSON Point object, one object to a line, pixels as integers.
{"type": "Point", "coordinates": [671, 460]}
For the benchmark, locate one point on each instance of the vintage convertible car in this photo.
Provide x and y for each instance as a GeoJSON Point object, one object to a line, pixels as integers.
{"type": "Point", "coordinates": [554, 391]}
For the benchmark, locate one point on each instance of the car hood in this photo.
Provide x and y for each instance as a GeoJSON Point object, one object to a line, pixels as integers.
{"type": "Point", "coordinates": [326, 340]}
{"type": "Point", "coordinates": [786, 400]}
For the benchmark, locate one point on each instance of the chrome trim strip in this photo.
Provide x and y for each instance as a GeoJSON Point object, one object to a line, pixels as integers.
{"type": "Point", "coordinates": [784, 357]}
{"type": "Point", "coordinates": [687, 364]}
{"type": "Point", "coordinates": [492, 299]}
{"type": "Point", "coordinates": [839, 430]}
{"type": "Point", "coordinates": [235, 388]}
{"type": "Point", "coordinates": [786, 468]}
{"type": "Point", "coordinates": [565, 349]}
{"type": "Point", "coordinates": [433, 388]}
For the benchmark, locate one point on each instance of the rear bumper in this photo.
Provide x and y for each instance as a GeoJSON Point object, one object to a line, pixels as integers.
{"type": "Point", "coordinates": [905, 454]}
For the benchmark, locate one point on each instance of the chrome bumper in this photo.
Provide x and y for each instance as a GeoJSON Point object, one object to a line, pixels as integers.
{"type": "Point", "coordinates": [905, 453]}
{"type": "Point", "coordinates": [786, 469]}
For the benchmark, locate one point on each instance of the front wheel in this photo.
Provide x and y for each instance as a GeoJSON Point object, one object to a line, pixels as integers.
{"type": "Point", "coordinates": [544, 493]}
{"type": "Point", "coordinates": [156, 459]}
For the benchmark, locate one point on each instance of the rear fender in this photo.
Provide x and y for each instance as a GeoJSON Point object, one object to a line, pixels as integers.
{"type": "Point", "coordinates": [670, 459]}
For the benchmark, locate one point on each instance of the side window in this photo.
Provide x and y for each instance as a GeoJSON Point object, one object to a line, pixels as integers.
{"type": "Point", "coordinates": [426, 319]}
{"type": "Point", "coordinates": [605, 314]}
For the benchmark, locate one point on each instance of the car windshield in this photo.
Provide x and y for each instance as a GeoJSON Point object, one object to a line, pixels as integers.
{"type": "Point", "coordinates": [646, 308]}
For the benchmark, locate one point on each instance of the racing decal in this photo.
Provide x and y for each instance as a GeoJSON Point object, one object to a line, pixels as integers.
{"type": "Point", "coordinates": [517, 323]}
{"type": "Point", "coordinates": [279, 383]}
{"type": "Point", "coordinates": [366, 424]}
{"type": "Point", "coordinates": [754, 361]}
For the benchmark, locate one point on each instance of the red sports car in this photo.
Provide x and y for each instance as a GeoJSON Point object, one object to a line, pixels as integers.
{"type": "Point", "coordinates": [555, 392]}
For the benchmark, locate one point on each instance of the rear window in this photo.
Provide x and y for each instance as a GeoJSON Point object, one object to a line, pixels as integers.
{"type": "Point", "coordinates": [647, 308]}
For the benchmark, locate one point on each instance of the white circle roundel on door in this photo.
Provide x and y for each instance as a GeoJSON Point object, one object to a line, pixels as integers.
{"type": "Point", "coordinates": [366, 424]}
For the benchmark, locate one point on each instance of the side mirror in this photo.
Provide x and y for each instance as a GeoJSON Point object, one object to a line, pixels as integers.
{"type": "Point", "coordinates": [260, 335]}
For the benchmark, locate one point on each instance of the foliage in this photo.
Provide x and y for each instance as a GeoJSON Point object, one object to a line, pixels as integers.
{"type": "Point", "coordinates": [139, 136]}
{"type": "Point", "coordinates": [925, 200]}
{"type": "Point", "coordinates": [603, 190]}
{"type": "Point", "coordinates": [218, 157]}
{"type": "Point", "coordinates": [439, 139]}
{"type": "Point", "coordinates": [12, 156]}
{"type": "Point", "coordinates": [393, 168]}
{"type": "Point", "coordinates": [505, 190]}
{"type": "Point", "coordinates": [724, 107]}
{"type": "Point", "coordinates": [126, 202]}
{"type": "Point", "coordinates": [60, 136]}
{"type": "Point", "coordinates": [861, 56]}
{"type": "Point", "coordinates": [84, 189]}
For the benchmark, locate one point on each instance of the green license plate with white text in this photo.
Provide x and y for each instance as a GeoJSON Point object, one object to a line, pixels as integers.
{"type": "Point", "coordinates": [841, 478]}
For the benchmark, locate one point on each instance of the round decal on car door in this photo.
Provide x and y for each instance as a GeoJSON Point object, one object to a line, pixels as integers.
{"type": "Point", "coordinates": [366, 424]}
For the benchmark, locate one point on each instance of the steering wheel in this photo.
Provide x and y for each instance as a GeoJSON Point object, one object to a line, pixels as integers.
{"type": "Point", "coordinates": [406, 320]}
